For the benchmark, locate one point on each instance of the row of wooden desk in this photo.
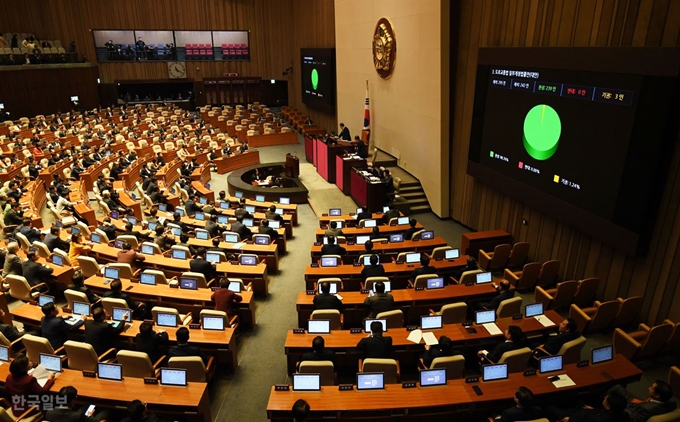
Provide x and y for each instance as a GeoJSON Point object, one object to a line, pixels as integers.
{"type": "Point", "coordinates": [353, 232]}
{"type": "Point", "coordinates": [353, 251]}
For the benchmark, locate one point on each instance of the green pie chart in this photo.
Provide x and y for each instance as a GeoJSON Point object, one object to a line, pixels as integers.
{"type": "Point", "coordinates": [542, 130]}
{"type": "Point", "coordinates": [315, 79]}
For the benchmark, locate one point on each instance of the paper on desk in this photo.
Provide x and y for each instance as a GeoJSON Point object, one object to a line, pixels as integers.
{"type": "Point", "coordinates": [544, 320]}
{"type": "Point", "coordinates": [41, 374]}
{"type": "Point", "coordinates": [238, 245]}
{"type": "Point", "coordinates": [492, 328]}
{"type": "Point", "coordinates": [415, 336]}
{"type": "Point", "coordinates": [338, 296]}
{"type": "Point", "coordinates": [430, 338]}
{"type": "Point", "coordinates": [564, 381]}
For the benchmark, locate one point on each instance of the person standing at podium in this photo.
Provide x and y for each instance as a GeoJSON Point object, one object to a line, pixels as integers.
{"type": "Point", "coordinates": [361, 148]}
{"type": "Point", "coordinates": [344, 133]}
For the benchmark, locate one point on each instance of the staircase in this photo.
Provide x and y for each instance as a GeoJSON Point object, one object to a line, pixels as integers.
{"type": "Point", "coordinates": [412, 199]}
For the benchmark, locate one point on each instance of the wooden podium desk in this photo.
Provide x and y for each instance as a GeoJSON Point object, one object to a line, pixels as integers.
{"type": "Point", "coordinates": [236, 161]}
{"type": "Point", "coordinates": [472, 242]}
{"type": "Point", "coordinates": [268, 253]}
{"type": "Point", "coordinates": [405, 351]}
{"type": "Point", "coordinates": [221, 344]}
{"type": "Point", "coordinates": [191, 402]}
{"type": "Point", "coordinates": [281, 138]}
{"type": "Point", "coordinates": [365, 193]}
{"type": "Point", "coordinates": [413, 303]}
{"type": "Point", "coordinates": [184, 300]}
{"type": "Point", "coordinates": [349, 220]}
{"type": "Point", "coordinates": [445, 403]}
{"type": "Point", "coordinates": [202, 190]}
{"type": "Point", "coordinates": [353, 251]}
{"type": "Point", "coordinates": [398, 273]}
{"type": "Point", "coordinates": [134, 204]}
{"type": "Point", "coordinates": [352, 232]}
{"type": "Point", "coordinates": [290, 209]}
{"type": "Point", "coordinates": [257, 274]}
{"type": "Point", "coordinates": [202, 175]}
{"type": "Point", "coordinates": [79, 194]}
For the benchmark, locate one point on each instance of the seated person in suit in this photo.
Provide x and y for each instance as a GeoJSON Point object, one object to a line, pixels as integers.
{"type": "Point", "coordinates": [100, 334]}
{"type": "Point", "coordinates": [162, 240]}
{"type": "Point", "coordinates": [425, 268]}
{"type": "Point", "coordinates": [66, 412]}
{"type": "Point", "coordinates": [568, 331]}
{"type": "Point", "coordinates": [29, 231]}
{"type": "Point", "coordinates": [78, 284]}
{"type": "Point", "coordinates": [368, 246]}
{"type": "Point", "coordinates": [272, 215]}
{"type": "Point", "coordinates": [191, 206]}
{"type": "Point", "coordinates": [184, 241]}
{"type": "Point", "coordinates": [52, 239]}
{"type": "Point", "coordinates": [408, 234]}
{"type": "Point", "coordinates": [10, 332]}
{"type": "Point", "coordinates": [183, 347]}
{"type": "Point", "coordinates": [374, 269]}
{"type": "Point", "coordinates": [108, 228]}
{"type": "Point", "coordinates": [22, 385]}
{"type": "Point", "coordinates": [151, 342]}
{"type": "Point", "coordinates": [326, 300]}
{"type": "Point", "coordinates": [333, 230]}
{"type": "Point", "coordinates": [659, 401]}
{"type": "Point", "coordinates": [35, 272]}
{"type": "Point", "coordinates": [376, 346]}
{"type": "Point", "coordinates": [128, 256]}
{"type": "Point", "coordinates": [523, 410]}
{"type": "Point", "coordinates": [300, 410]}
{"type": "Point", "coordinates": [470, 265]}
{"type": "Point", "coordinates": [241, 210]}
{"type": "Point", "coordinates": [332, 249]}
{"type": "Point", "coordinates": [390, 214]}
{"type": "Point", "coordinates": [443, 349]}
{"type": "Point", "coordinates": [319, 352]}
{"type": "Point", "coordinates": [613, 410]}
{"type": "Point", "coordinates": [504, 292]}
{"type": "Point", "coordinates": [116, 292]}
{"type": "Point", "coordinates": [226, 300]}
{"type": "Point", "coordinates": [514, 339]}
{"type": "Point", "coordinates": [380, 302]}
{"type": "Point", "coordinates": [215, 245]}
{"type": "Point", "coordinates": [177, 220]}
{"type": "Point", "coordinates": [201, 265]}
{"type": "Point", "coordinates": [375, 234]}
{"type": "Point", "coordinates": [365, 214]}
{"type": "Point", "coordinates": [54, 328]}
{"type": "Point", "coordinates": [137, 412]}
{"type": "Point", "coordinates": [240, 228]}
{"type": "Point", "coordinates": [212, 227]}
{"type": "Point", "coordinates": [265, 229]}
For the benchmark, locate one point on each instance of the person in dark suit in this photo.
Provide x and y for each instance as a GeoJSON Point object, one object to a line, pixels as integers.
{"type": "Point", "coordinates": [108, 228]}
{"type": "Point", "coordinates": [212, 227]}
{"type": "Point", "coordinates": [365, 214]}
{"type": "Point", "coordinates": [613, 410]}
{"type": "Point", "coordinates": [226, 300]}
{"type": "Point", "coordinates": [116, 292]}
{"type": "Point", "coordinates": [373, 270]}
{"type": "Point", "coordinates": [183, 347]}
{"type": "Point", "coordinates": [362, 151]}
{"type": "Point", "coordinates": [319, 352]}
{"type": "Point", "coordinates": [376, 346]}
{"type": "Point", "coordinates": [31, 233]}
{"type": "Point", "coordinates": [504, 292]}
{"type": "Point", "coordinates": [425, 268]}
{"type": "Point", "coordinates": [390, 214]}
{"type": "Point", "coordinates": [34, 272]}
{"type": "Point", "coordinates": [568, 331]}
{"type": "Point", "coordinates": [332, 249]}
{"type": "Point", "coordinates": [65, 413]}
{"type": "Point", "coordinates": [240, 228]}
{"type": "Point", "coordinates": [300, 410]}
{"type": "Point", "coordinates": [514, 339]}
{"type": "Point", "coordinates": [53, 240]}
{"type": "Point", "coordinates": [470, 265]}
{"type": "Point", "coordinates": [380, 302]}
{"type": "Point", "coordinates": [333, 230]}
{"type": "Point", "coordinates": [344, 133]}
{"type": "Point", "coordinates": [137, 412]}
{"type": "Point", "coordinates": [265, 229]}
{"type": "Point", "coordinates": [442, 349]}
{"type": "Point", "coordinates": [241, 210]}
{"type": "Point", "coordinates": [191, 206]}
{"type": "Point", "coordinates": [524, 409]}
{"type": "Point", "coordinates": [203, 266]}
{"type": "Point", "coordinates": [326, 300]}
{"type": "Point", "coordinates": [100, 334]}
{"type": "Point", "coordinates": [408, 234]}
{"type": "Point", "coordinates": [272, 215]}
{"type": "Point", "coordinates": [150, 342]}
{"type": "Point", "coordinates": [13, 216]}
{"type": "Point", "coordinates": [659, 401]}
{"type": "Point", "coordinates": [78, 284]}
{"type": "Point", "coordinates": [54, 328]}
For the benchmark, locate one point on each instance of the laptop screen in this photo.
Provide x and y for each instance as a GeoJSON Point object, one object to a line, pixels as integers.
{"type": "Point", "coordinates": [485, 317]}
{"type": "Point", "coordinates": [213, 257]}
{"type": "Point", "coordinates": [166, 320]}
{"type": "Point", "coordinates": [110, 371]}
{"type": "Point", "coordinates": [333, 288]}
{"type": "Point", "coordinates": [370, 223]}
{"type": "Point", "coordinates": [81, 308]}
{"type": "Point", "coordinates": [132, 220]}
{"type": "Point", "coordinates": [50, 362]}
{"type": "Point", "coordinates": [329, 261]}
{"type": "Point", "coordinates": [188, 283]}
{"type": "Point", "coordinates": [483, 278]}
{"type": "Point", "coordinates": [203, 200]}
{"type": "Point", "coordinates": [119, 313]}
{"type": "Point", "coordinates": [199, 216]}
{"type": "Point", "coordinates": [386, 208]}
{"type": "Point", "coordinates": [494, 372]}
{"type": "Point", "coordinates": [231, 238]}
{"type": "Point", "coordinates": [201, 234]}
{"type": "Point", "coordinates": [435, 283]}
{"type": "Point", "coordinates": [4, 354]}
{"type": "Point", "coordinates": [452, 253]}
{"type": "Point", "coordinates": [412, 258]}
{"type": "Point", "coordinates": [180, 211]}
{"type": "Point", "coordinates": [147, 249]}
{"type": "Point", "coordinates": [75, 230]}
{"type": "Point", "coordinates": [250, 208]}
{"type": "Point", "coordinates": [284, 201]}
{"type": "Point", "coordinates": [602, 354]}
{"type": "Point", "coordinates": [176, 231]}
{"type": "Point", "coordinates": [248, 260]}
{"type": "Point", "coordinates": [223, 219]}
{"type": "Point", "coordinates": [110, 272]}
{"type": "Point", "coordinates": [261, 240]}
{"type": "Point", "coordinates": [259, 198]}
{"type": "Point", "coordinates": [274, 224]}
{"type": "Point", "coordinates": [334, 212]}
{"type": "Point", "coordinates": [319, 326]}
{"type": "Point", "coordinates": [396, 238]}
{"type": "Point", "coordinates": [533, 309]}
{"type": "Point", "coordinates": [95, 238]}
{"type": "Point", "coordinates": [213, 323]}
{"type": "Point", "coordinates": [432, 377]}
{"type": "Point", "coordinates": [234, 286]}
{"type": "Point", "coordinates": [248, 222]}
{"type": "Point", "coordinates": [118, 244]}
{"type": "Point", "coordinates": [114, 215]}
{"type": "Point", "coordinates": [367, 260]}
{"type": "Point", "coordinates": [550, 364]}
{"type": "Point", "coordinates": [370, 381]}
{"type": "Point", "coordinates": [431, 322]}
{"type": "Point", "coordinates": [225, 205]}
{"type": "Point", "coordinates": [179, 254]}
{"type": "Point", "coordinates": [388, 286]}
{"type": "Point", "coordinates": [147, 278]}
{"type": "Point", "coordinates": [306, 382]}
{"type": "Point", "coordinates": [57, 260]}
{"type": "Point", "coordinates": [238, 194]}
{"type": "Point", "coordinates": [174, 376]}
{"type": "Point", "coordinates": [45, 299]}
{"type": "Point", "coordinates": [367, 324]}
{"type": "Point", "coordinates": [402, 220]}
{"type": "Point", "coordinates": [279, 211]}
{"type": "Point", "coordinates": [152, 225]}
{"type": "Point", "coordinates": [162, 207]}
{"type": "Point", "coordinates": [427, 235]}
{"type": "Point", "coordinates": [360, 240]}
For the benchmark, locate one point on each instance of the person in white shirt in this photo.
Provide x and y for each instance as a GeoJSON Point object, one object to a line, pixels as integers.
{"type": "Point", "coordinates": [64, 204]}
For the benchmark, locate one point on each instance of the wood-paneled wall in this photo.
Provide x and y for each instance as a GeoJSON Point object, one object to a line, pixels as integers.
{"type": "Point", "coordinates": [277, 31]}
{"type": "Point", "coordinates": [567, 23]}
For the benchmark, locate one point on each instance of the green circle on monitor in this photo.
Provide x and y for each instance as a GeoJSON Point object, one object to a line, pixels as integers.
{"type": "Point", "coordinates": [315, 79]}
{"type": "Point", "coordinates": [542, 130]}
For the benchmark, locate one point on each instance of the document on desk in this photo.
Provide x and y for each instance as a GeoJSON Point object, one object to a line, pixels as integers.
{"type": "Point", "coordinates": [415, 336]}
{"type": "Point", "coordinates": [492, 328]}
{"type": "Point", "coordinates": [338, 296]}
{"type": "Point", "coordinates": [41, 374]}
{"type": "Point", "coordinates": [564, 381]}
{"type": "Point", "coordinates": [544, 320]}
{"type": "Point", "coordinates": [238, 245]}
{"type": "Point", "coordinates": [430, 338]}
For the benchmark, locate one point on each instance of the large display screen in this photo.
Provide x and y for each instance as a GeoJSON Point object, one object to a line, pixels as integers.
{"type": "Point", "coordinates": [318, 78]}
{"type": "Point", "coordinates": [585, 145]}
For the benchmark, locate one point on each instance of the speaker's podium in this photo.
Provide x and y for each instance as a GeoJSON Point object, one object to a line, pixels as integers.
{"type": "Point", "coordinates": [292, 166]}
